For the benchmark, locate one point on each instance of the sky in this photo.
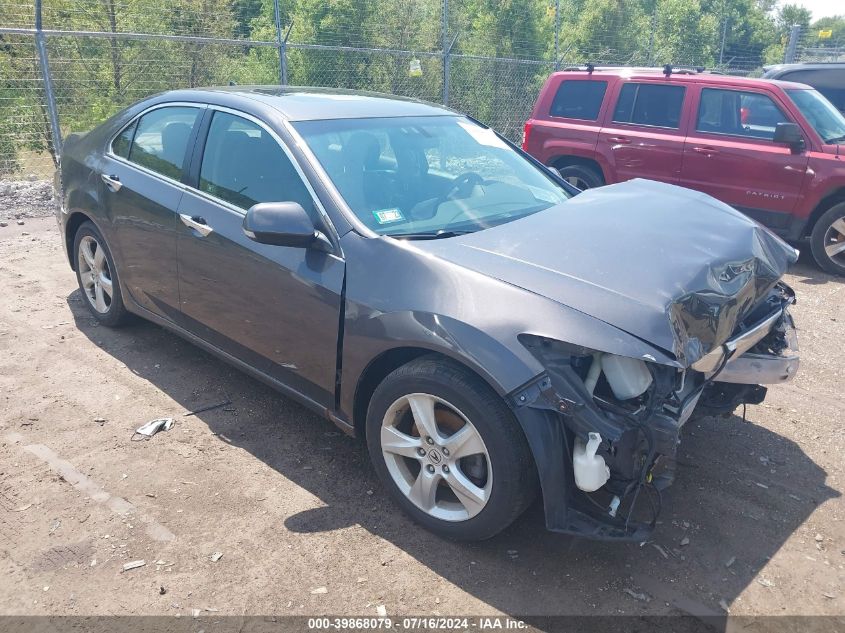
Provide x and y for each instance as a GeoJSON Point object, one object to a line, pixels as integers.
{"type": "Point", "coordinates": [821, 8]}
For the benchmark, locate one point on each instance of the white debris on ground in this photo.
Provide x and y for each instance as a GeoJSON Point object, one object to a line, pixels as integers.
{"type": "Point", "coordinates": [21, 199]}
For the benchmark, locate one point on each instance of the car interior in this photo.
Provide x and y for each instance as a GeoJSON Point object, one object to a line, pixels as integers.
{"type": "Point", "coordinates": [401, 170]}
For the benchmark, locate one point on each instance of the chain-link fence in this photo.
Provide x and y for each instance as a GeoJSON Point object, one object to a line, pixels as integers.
{"type": "Point", "coordinates": [66, 65]}
{"type": "Point", "coordinates": [820, 45]}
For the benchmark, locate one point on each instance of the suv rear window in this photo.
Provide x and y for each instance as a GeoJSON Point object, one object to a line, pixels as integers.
{"type": "Point", "coordinates": [579, 99]}
{"type": "Point", "coordinates": [657, 105]}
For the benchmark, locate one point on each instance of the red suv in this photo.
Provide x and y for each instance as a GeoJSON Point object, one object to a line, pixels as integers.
{"type": "Point", "coordinates": [768, 148]}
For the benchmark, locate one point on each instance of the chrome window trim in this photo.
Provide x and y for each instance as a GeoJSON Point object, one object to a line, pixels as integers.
{"type": "Point", "coordinates": [149, 172]}
{"type": "Point", "coordinates": [168, 104]}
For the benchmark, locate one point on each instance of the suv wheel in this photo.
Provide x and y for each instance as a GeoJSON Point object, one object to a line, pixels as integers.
{"type": "Point", "coordinates": [449, 451]}
{"type": "Point", "coordinates": [581, 176]}
{"type": "Point", "coordinates": [97, 276]}
{"type": "Point", "coordinates": [828, 240]}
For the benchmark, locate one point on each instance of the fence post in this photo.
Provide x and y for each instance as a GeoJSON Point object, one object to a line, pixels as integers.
{"type": "Point", "coordinates": [281, 44]}
{"type": "Point", "coordinates": [724, 36]}
{"type": "Point", "coordinates": [49, 96]}
{"type": "Point", "coordinates": [651, 37]}
{"type": "Point", "coordinates": [792, 46]}
{"type": "Point", "coordinates": [557, 35]}
{"type": "Point", "coordinates": [447, 50]}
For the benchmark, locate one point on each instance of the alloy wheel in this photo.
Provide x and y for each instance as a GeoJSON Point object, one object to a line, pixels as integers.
{"type": "Point", "coordinates": [436, 457]}
{"type": "Point", "coordinates": [834, 241]}
{"type": "Point", "coordinates": [94, 274]}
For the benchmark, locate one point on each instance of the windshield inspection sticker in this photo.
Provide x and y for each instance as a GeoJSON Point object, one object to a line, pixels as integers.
{"type": "Point", "coordinates": [388, 216]}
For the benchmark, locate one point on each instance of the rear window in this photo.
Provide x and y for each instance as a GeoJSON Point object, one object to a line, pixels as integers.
{"type": "Point", "coordinates": [656, 105]}
{"type": "Point", "coordinates": [120, 144]}
{"type": "Point", "coordinates": [579, 99]}
{"type": "Point", "coordinates": [161, 139]}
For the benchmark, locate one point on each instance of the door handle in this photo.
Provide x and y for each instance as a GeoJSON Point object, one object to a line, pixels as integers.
{"type": "Point", "coordinates": [112, 182]}
{"type": "Point", "coordinates": [706, 150]}
{"type": "Point", "coordinates": [197, 223]}
{"type": "Point", "coordinates": [620, 140]}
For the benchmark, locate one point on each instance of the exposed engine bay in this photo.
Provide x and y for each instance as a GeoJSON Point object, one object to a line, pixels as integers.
{"type": "Point", "coordinates": [622, 417]}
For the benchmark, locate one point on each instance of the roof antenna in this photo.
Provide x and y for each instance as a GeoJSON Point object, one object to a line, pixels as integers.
{"type": "Point", "coordinates": [667, 70]}
{"type": "Point", "coordinates": [590, 68]}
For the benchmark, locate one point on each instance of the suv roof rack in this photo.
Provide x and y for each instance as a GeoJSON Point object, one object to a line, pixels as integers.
{"type": "Point", "coordinates": [669, 70]}
{"type": "Point", "coordinates": [589, 67]}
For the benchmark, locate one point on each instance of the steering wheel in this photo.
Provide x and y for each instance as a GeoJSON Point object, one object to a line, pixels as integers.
{"type": "Point", "coordinates": [461, 187]}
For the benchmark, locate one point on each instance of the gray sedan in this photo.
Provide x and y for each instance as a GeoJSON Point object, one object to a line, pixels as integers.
{"type": "Point", "coordinates": [489, 331]}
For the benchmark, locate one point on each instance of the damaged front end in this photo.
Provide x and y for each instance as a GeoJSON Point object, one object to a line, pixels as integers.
{"type": "Point", "coordinates": [605, 428]}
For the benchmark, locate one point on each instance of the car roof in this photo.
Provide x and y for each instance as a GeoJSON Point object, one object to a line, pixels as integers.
{"type": "Point", "coordinates": [777, 69]}
{"type": "Point", "coordinates": [679, 76]}
{"type": "Point", "coordinates": [297, 103]}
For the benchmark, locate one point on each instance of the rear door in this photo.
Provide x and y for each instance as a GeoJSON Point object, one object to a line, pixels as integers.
{"type": "Point", "coordinates": [730, 155]}
{"type": "Point", "coordinates": [276, 308]}
{"type": "Point", "coordinates": [141, 188]}
{"type": "Point", "coordinates": [643, 136]}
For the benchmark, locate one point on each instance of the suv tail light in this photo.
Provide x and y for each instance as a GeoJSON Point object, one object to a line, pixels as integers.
{"type": "Point", "coordinates": [526, 132]}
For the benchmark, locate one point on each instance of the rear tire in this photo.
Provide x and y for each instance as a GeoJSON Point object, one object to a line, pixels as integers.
{"type": "Point", "coordinates": [581, 176]}
{"type": "Point", "coordinates": [97, 276]}
{"type": "Point", "coordinates": [449, 450]}
{"type": "Point", "coordinates": [827, 241]}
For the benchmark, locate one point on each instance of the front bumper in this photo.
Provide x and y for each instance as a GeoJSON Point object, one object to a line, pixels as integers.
{"type": "Point", "coordinates": [640, 450]}
{"type": "Point", "coordinates": [766, 367]}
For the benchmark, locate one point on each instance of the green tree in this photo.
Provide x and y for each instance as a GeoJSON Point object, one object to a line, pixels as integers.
{"type": "Point", "coordinates": [685, 34]}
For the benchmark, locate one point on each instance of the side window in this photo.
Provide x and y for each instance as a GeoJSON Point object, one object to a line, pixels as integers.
{"type": "Point", "coordinates": [161, 139]}
{"type": "Point", "coordinates": [120, 144]}
{"type": "Point", "coordinates": [738, 113]}
{"type": "Point", "coordinates": [579, 99]}
{"type": "Point", "coordinates": [658, 105]}
{"type": "Point", "coordinates": [244, 165]}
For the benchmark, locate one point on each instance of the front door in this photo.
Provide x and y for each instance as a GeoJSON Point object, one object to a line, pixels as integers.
{"type": "Point", "coordinates": [730, 155]}
{"type": "Point", "coordinates": [276, 308]}
{"type": "Point", "coordinates": [141, 190]}
{"type": "Point", "coordinates": [645, 135]}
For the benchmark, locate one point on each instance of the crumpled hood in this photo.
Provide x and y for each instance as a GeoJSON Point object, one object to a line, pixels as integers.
{"type": "Point", "coordinates": [674, 267]}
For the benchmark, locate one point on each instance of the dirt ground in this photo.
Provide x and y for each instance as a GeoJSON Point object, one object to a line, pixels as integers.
{"type": "Point", "coordinates": [754, 523]}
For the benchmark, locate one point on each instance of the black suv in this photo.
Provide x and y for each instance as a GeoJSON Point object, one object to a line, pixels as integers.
{"type": "Point", "coordinates": [828, 78]}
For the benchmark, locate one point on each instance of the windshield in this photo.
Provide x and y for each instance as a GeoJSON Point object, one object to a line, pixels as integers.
{"type": "Point", "coordinates": [425, 177]}
{"type": "Point", "coordinates": [821, 114]}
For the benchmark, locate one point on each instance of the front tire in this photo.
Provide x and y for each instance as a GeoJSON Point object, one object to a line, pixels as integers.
{"type": "Point", "coordinates": [827, 241]}
{"type": "Point", "coordinates": [449, 451]}
{"type": "Point", "coordinates": [97, 276]}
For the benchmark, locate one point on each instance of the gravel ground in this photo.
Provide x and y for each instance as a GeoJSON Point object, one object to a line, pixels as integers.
{"type": "Point", "coordinates": [22, 199]}
{"type": "Point", "coordinates": [754, 523]}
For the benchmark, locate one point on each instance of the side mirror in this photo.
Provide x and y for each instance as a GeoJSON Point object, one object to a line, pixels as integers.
{"type": "Point", "coordinates": [283, 224]}
{"type": "Point", "coordinates": [789, 134]}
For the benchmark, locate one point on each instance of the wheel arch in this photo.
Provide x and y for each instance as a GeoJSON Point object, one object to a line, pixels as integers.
{"type": "Point", "coordinates": [567, 160]}
{"type": "Point", "coordinates": [827, 202]}
{"type": "Point", "coordinates": [382, 365]}
{"type": "Point", "coordinates": [76, 218]}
